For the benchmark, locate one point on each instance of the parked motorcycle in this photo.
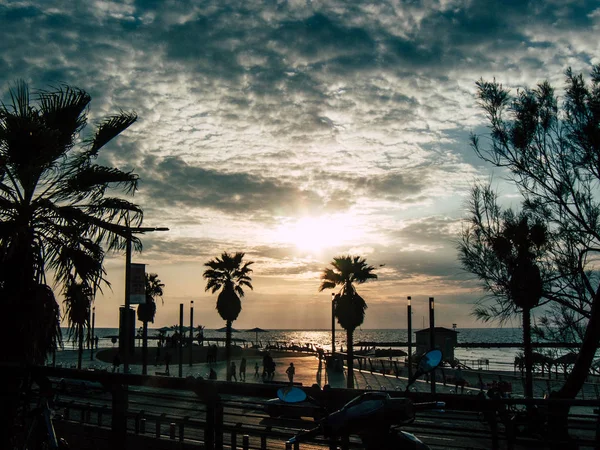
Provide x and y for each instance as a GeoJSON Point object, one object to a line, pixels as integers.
{"type": "Point", "coordinates": [374, 416]}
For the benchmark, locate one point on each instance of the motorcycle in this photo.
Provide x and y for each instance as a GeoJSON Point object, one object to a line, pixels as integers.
{"type": "Point", "coordinates": [374, 416]}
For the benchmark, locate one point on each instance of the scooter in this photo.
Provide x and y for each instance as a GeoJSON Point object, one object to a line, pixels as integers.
{"type": "Point", "coordinates": [374, 416]}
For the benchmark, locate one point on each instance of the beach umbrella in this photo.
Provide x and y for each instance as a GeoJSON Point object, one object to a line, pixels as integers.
{"type": "Point", "coordinates": [257, 330]}
{"type": "Point", "coordinates": [224, 330]}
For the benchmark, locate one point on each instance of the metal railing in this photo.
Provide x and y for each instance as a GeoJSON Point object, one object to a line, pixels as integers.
{"type": "Point", "coordinates": [215, 417]}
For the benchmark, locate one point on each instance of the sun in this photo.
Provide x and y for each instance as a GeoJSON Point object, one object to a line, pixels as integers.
{"type": "Point", "coordinates": [315, 234]}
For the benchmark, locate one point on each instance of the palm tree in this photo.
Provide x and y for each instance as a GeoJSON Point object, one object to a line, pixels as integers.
{"type": "Point", "coordinates": [508, 251]}
{"type": "Point", "coordinates": [229, 274]}
{"type": "Point", "coordinates": [78, 297]}
{"type": "Point", "coordinates": [55, 213]}
{"type": "Point", "coordinates": [147, 311]}
{"type": "Point", "coordinates": [349, 307]}
{"type": "Point", "coordinates": [517, 247]}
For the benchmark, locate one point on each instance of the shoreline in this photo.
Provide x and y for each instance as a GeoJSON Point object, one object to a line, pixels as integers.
{"type": "Point", "coordinates": [309, 371]}
{"type": "Point", "coordinates": [199, 354]}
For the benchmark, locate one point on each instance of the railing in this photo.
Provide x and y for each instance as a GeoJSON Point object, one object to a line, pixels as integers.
{"type": "Point", "coordinates": [123, 424]}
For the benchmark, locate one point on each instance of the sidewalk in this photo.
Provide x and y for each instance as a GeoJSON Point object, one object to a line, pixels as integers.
{"type": "Point", "coordinates": [309, 371]}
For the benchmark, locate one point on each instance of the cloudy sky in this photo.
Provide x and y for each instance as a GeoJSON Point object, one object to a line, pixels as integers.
{"type": "Point", "coordinates": [296, 131]}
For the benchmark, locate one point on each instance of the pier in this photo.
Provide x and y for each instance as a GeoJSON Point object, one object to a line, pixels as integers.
{"type": "Point", "coordinates": [477, 344]}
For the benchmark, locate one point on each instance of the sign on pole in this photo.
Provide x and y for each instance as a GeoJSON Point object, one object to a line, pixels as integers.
{"type": "Point", "coordinates": [137, 284]}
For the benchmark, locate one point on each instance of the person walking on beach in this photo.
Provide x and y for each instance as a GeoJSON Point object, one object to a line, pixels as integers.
{"type": "Point", "coordinates": [233, 369]}
{"type": "Point", "coordinates": [291, 371]}
{"type": "Point", "coordinates": [265, 363]}
{"type": "Point", "coordinates": [243, 370]}
{"type": "Point", "coordinates": [96, 339]}
{"type": "Point", "coordinates": [167, 361]}
{"type": "Point", "coordinates": [116, 363]}
{"type": "Point", "coordinates": [256, 367]}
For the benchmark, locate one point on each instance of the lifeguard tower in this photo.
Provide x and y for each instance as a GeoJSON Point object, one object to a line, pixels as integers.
{"type": "Point", "coordinates": [444, 339]}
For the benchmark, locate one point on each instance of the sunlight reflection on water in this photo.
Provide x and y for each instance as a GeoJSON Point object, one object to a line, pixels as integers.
{"type": "Point", "coordinates": [500, 358]}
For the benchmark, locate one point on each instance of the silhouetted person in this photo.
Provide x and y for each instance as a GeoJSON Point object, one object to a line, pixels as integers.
{"type": "Point", "coordinates": [116, 363]}
{"type": "Point", "coordinates": [212, 375]}
{"type": "Point", "coordinates": [167, 361]}
{"type": "Point", "coordinates": [291, 371]}
{"type": "Point", "coordinates": [96, 341]}
{"type": "Point", "coordinates": [233, 369]}
{"type": "Point", "coordinates": [243, 370]}
{"type": "Point", "coordinates": [256, 367]}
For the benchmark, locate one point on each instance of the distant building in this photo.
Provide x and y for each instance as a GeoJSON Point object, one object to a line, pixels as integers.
{"type": "Point", "coordinates": [444, 339]}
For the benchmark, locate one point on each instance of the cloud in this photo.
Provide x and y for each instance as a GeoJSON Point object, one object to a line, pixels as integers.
{"type": "Point", "coordinates": [177, 184]}
{"type": "Point", "coordinates": [255, 113]}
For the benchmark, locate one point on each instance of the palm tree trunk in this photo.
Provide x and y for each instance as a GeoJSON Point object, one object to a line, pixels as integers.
{"type": "Point", "coordinates": [527, 348]}
{"type": "Point", "coordinates": [80, 353]}
{"type": "Point", "coordinates": [228, 349]}
{"type": "Point", "coordinates": [145, 348]}
{"type": "Point", "coordinates": [350, 363]}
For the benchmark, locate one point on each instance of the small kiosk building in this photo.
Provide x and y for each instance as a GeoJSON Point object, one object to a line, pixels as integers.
{"type": "Point", "coordinates": [444, 339]}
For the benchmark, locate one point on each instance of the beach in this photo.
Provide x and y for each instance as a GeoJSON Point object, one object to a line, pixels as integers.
{"type": "Point", "coordinates": [310, 370]}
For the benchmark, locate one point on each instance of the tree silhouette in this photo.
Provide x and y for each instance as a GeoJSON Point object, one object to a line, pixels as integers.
{"type": "Point", "coordinates": [349, 307]}
{"type": "Point", "coordinates": [551, 151]}
{"type": "Point", "coordinates": [147, 311]}
{"type": "Point", "coordinates": [55, 214]}
{"type": "Point", "coordinates": [229, 274]}
{"type": "Point", "coordinates": [505, 251]}
{"type": "Point", "coordinates": [78, 298]}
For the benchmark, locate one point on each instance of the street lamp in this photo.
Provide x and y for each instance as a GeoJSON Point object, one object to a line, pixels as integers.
{"type": "Point", "coordinates": [333, 323]}
{"type": "Point", "coordinates": [432, 337]}
{"type": "Point", "coordinates": [93, 326]}
{"type": "Point", "coordinates": [409, 320]}
{"type": "Point", "coordinates": [191, 331]}
{"type": "Point", "coordinates": [125, 318]}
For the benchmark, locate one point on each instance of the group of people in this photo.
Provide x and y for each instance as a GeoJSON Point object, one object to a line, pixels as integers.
{"type": "Point", "coordinates": [242, 370]}
{"type": "Point", "coordinates": [268, 372]}
{"type": "Point", "coordinates": [211, 354]}
{"type": "Point", "coordinates": [268, 367]}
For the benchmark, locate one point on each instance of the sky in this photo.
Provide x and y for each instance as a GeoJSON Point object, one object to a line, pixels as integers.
{"type": "Point", "coordinates": [296, 131]}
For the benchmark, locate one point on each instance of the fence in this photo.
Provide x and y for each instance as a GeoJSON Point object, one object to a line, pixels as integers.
{"type": "Point", "coordinates": [214, 419]}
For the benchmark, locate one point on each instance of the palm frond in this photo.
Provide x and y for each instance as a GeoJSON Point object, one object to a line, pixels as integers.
{"type": "Point", "coordinates": [20, 101]}
{"type": "Point", "coordinates": [93, 181]}
{"type": "Point", "coordinates": [63, 111]}
{"type": "Point", "coordinates": [110, 128]}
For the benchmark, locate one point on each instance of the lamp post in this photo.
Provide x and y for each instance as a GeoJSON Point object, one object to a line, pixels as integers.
{"type": "Point", "coordinates": [125, 318]}
{"type": "Point", "coordinates": [409, 320]}
{"type": "Point", "coordinates": [333, 324]}
{"type": "Point", "coordinates": [180, 353]}
{"type": "Point", "coordinates": [191, 331]}
{"type": "Point", "coordinates": [93, 326]}
{"type": "Point", "coordinates": [432, 338]}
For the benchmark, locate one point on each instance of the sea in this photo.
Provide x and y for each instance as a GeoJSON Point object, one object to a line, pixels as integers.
{"type": "Point", "coordinates": [487, 358]}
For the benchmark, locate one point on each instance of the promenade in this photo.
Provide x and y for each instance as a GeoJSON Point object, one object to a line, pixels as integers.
{"type": "Point", "coordinates": [309, 371]}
